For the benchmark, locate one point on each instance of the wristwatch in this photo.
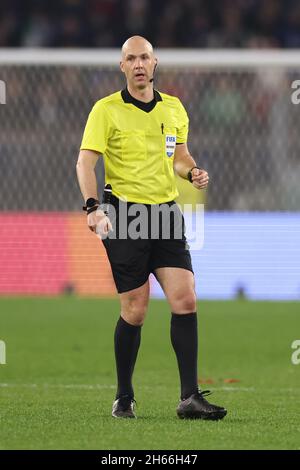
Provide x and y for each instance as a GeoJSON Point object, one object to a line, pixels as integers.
{"type": "Point", "coordinates": [189, 175]}
{"type": "Point", "coordinates": [90, 202]}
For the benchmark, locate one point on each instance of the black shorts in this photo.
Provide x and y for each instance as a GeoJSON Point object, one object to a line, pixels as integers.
{"type": "Point", "coordinates": [133, 259]}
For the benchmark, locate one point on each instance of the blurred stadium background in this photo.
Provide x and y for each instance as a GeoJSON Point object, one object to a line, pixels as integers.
{"type": "Point", "coordinates": [243, 130]}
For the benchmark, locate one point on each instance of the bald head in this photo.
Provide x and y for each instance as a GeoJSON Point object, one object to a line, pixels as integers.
{"type": "Point", "coordinates": [138, 63]}
{"type": "Point", "coordinates": [136, 44]}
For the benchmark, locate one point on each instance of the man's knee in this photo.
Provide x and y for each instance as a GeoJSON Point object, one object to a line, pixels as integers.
{"type": "Point", "coordinates": [134, 310]}
{"type": "Point", "coordinates": [184, 302]}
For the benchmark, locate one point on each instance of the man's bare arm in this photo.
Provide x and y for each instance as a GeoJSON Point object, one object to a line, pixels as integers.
{"type": "Point", "coordinates": [88, 185]}
{"type": "Point", "coordinates": [85, 168]}
{"type": "Point", "coordinates": [183, 162]}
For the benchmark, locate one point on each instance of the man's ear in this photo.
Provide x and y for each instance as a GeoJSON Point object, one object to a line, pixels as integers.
{"type": "Point", "coordinates": [121, 66]}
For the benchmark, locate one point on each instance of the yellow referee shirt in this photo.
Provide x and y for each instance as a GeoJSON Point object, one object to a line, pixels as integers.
{"type": "Point", "coordinates": [138, 142]}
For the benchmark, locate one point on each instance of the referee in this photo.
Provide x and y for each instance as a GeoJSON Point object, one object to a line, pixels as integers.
{"type": "Point", "coordinates": [142, 135]}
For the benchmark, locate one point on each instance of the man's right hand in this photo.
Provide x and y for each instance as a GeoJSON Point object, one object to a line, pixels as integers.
{"type": "Point", "coordinates": [99, 223]}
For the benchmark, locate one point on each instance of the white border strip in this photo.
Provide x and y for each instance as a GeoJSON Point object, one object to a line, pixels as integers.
{"type": "Point", "coordinates": [167, 57]}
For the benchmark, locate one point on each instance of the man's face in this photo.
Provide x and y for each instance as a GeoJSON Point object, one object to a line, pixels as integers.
{"type": "Point", "coordinates": [138, 66]}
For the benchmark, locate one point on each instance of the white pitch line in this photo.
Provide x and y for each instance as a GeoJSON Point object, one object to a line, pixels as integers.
{"type": "Point", "coordinates": [68, 386]}
{"type": "Point", "coordinates": [256, 389]}
{"type": "Point", "coordinates": [236, 389]}
{"type": "Point", "coordinates": [108, 386]}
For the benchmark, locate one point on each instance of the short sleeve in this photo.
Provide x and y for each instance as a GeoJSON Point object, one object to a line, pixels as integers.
{"type": "Point", "coordinates": [183, 125]}
{"type": "Point", "coordinates": [95, 134]}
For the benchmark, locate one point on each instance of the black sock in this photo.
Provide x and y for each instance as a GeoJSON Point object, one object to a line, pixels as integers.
{"type": "Point", "coordinates": [184, 337]}
{"type": "Point", "coordinates": [127, 342]}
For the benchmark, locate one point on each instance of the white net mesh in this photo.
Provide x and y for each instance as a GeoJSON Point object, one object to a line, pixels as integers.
{"type": "Point", "coordinates": [243, 130]}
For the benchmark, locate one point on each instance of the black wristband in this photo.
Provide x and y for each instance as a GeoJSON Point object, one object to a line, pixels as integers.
{"type": "Point", "coordinates": [92, 209]}
{"type": "Point", "coordinates": [189, 175]}
{"type": "Point", "coordinates": [90, 202]}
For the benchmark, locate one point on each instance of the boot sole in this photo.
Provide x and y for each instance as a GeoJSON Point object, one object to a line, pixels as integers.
{"type": "Point", "coordinates": [124, 416]}
{"type": "Point", "coordinates": [206, 416]}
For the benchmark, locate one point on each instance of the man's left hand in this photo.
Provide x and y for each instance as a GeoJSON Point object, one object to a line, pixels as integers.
{"type": "Point", "coordinates": [200, 178]}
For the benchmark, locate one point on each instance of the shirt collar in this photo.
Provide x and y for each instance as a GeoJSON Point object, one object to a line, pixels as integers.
{"type": "Point", "coordinates": [128, 98]}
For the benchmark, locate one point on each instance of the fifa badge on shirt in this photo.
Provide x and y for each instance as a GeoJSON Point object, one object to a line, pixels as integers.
{"type": "Point", "coordinates": [170, 144]}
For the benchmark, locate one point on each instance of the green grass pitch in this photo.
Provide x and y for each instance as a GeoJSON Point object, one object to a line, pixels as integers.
{"type": "Point", "coordinates": [57, 387]}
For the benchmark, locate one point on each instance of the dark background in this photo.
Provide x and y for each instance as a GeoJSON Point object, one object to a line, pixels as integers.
{"type": "Point", "coordinates": [166, 23]}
